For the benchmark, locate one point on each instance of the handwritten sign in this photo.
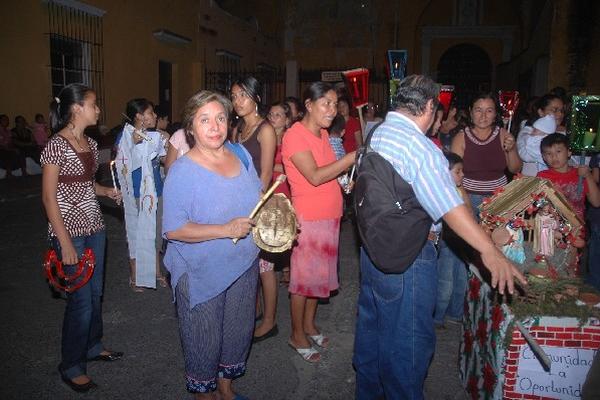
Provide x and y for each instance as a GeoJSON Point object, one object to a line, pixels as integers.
{"type": "Point", "coordinates": [565, 379]}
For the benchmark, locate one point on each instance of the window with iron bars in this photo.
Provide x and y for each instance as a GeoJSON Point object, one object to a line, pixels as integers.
{"type": "Point", "coordinates": [75, 43]}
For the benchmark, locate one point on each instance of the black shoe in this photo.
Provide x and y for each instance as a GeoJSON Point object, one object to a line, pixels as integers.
{"type": "Point", "coordinates": [83, 388]}
{"type": "Point", "coordinates": [270, 333]}
{"type": "Point", "coordinates": [111, 356]}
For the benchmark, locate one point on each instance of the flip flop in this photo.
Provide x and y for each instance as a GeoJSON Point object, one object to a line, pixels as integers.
{"type": "Point", "coordinates": [320, 340]}
{"type": "Point", "coordinates": [307, 354]}
{"type": "Point", "coordinates": [162, 281]}
{"type": "Point", "coordinates": [136, 289]}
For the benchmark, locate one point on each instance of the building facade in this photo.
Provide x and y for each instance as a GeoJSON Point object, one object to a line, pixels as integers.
{"type": "Point", "coordinates": [160, 50]}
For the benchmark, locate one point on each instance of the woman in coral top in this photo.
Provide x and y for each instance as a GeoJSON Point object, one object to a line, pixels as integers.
{"type": "Point", "coordinates": [312, 170]}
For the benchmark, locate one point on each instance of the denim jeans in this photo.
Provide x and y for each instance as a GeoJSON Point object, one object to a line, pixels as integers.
{"type": "Point", "coordinates": [82, 323]}
{"type": "Point", "coordinates": [476, 200]}
{"type": "Point", "coordinates": [593, 272]}
{"type": "Point", "coordinates": [452, 285]}
{"type": "Point", "coordinates": [395, 336]}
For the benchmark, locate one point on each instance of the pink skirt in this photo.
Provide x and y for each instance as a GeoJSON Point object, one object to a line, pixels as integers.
{"type": "Point", "coordinates": [313, 265]}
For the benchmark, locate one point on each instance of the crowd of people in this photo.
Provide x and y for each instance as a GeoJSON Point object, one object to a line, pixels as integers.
{"type": "Point", "coordinates": [229, 150]}
{"type": "Point", "coordinates": [21, 142]}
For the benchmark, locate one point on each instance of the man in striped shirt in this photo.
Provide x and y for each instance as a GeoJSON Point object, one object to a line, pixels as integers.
{"type": "Point", "coordinates": [395, 336]}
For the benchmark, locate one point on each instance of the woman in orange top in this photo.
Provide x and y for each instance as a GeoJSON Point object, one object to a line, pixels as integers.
{"type": "Point", "coordinates": [312, 170]}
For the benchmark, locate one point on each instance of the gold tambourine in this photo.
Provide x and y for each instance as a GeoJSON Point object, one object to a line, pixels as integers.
{"type": "Point", "coordinates": [276, 226]}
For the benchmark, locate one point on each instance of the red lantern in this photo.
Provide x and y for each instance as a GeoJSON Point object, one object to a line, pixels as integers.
{"type": "Point", "coordinates": [445, 98]}
{"type": "Point", "coordinates": [509, 101]}
{"type": "Point", "coordinates": [69, 282]}
{"type": "Point", "coordinates": [357, 81]}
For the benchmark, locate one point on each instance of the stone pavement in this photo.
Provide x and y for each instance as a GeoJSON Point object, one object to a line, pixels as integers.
{"type": "Point", "coordinates": [144, 326]}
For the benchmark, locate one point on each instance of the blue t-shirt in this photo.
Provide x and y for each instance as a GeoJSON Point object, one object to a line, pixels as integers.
{"type": "Point", "coordinates": [136, 175]}
{"type": "Point", "coordinates": [193, 193]}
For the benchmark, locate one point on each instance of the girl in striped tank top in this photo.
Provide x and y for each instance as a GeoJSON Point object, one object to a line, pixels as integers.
{"type": "Point", "coordinates": [487, 149]}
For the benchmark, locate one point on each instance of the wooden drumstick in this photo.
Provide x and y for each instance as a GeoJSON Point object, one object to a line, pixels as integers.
{"type": "Point", "coordinates": [280, 179]}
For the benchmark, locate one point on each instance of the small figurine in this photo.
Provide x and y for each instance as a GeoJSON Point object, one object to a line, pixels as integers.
{"type": "Point", "coordinates": [514, 250]}
{"type": "Point", "coordinates": [543, 234]}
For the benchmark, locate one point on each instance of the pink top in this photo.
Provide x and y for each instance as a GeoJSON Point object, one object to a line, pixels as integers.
{"type": "Point", "coordinates": [5, 137]}
{"type": "Point", "coordinates": [40, 134]}
{"type": "Point", "coordinates": [311, 202]}
{"type": "Point", "coordinates": [178, 141]}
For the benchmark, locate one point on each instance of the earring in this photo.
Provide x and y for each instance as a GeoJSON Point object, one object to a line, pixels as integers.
{"type": "Point", "coordinates": [256, 109]}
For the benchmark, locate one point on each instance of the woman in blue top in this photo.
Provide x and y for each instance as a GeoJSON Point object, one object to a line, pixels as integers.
{"type": "Point", "coordinates": [207, 194]}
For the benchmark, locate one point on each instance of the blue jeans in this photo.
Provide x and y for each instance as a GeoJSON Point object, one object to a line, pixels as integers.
{"type": "Point", "coordinates": [476, 200]}
{"type": "Point", "coordinates": [82, 323]}
{"type": "Point", "coordinates": [593, 273]}
{"type": "Point", "coordinates": [395, 336]}
{"type": "Point", "coordinates": [452, 285]}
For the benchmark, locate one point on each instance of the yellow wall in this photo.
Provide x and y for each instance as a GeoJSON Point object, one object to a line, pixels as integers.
{"type": "Point", "coordinates": [131, 52]}
{"type": "Point", "coordinates": [24, 76]}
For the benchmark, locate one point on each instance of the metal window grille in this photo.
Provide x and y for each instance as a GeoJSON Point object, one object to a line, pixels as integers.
{"type": "Point", "coordinates": [272, 80]}
{"type": "Point", "coordinates": [75, 39]}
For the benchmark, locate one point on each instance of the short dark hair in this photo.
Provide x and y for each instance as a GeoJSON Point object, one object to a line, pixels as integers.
{"type": "Point", "coordinates": [453, 159]}
{"type": "Point", "coordinates": [338, 125]}
{"type": "Point", "coordinates": [552, 139]}
{"type": "Point", "coordinates": [488, 96]}
{"type": "Point", "coordinates": [137, 106]}
{"type": "Point", "coordinates": [196, 102]}
{"type": "Point", "coordinates": [414, 92]}
{"type": "Point", "coordinates": [161, 112]}
{"type": "Point", "coordinates": [540, 104]}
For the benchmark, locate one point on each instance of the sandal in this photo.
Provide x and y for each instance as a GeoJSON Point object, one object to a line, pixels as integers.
{"type": "Point", "coordinates": [136, 289]}
{"type": "Point", "coordinates": [320, 340]}
{"type": "Point", "coordinates": [307, 354]}
{"type": "Point", "coordinates": [162, 281]}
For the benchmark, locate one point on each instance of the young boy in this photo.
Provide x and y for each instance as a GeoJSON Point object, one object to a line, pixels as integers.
{"type": "Point", "coordinates": [336, 132]}
{"type": "Point", "coordinates": [556, 154]}
{"type": "Point", "coordinates": [452, 271]}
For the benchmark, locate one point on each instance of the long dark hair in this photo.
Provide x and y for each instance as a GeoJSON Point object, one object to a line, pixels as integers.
{"type": "Point", "coordinates": [61, 107]}
{"type": "Point", "coordinates": [253, 88]}
{"type": "Point", "coordinates": [487, 96]}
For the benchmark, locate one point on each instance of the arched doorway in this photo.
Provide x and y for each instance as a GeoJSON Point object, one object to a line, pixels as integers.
{"type": "Point", "coordinates": [468, 68]}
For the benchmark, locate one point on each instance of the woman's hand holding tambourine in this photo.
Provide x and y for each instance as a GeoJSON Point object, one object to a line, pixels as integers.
{"type": "Point", "coordinates": [238, 228]}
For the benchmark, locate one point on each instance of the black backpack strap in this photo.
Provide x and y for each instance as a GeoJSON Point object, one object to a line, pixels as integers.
{"type": "Point", "coordinates": [364, 149]}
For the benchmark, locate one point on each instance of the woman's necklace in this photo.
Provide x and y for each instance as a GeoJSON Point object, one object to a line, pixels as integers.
{"type": "Point", "coordinates": [76, 140]}
{"type": "Point", "coordinates": [247, 132]}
